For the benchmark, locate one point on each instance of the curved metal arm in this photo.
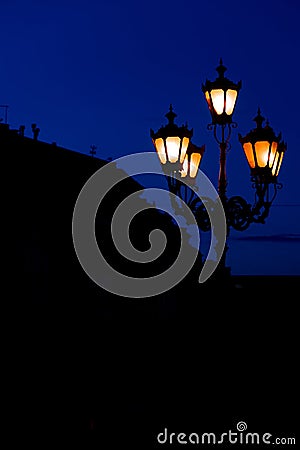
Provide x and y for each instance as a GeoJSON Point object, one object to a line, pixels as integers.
{"type": "Point", "coordinates": [226, 130]}
{"type": "Point", "coordinates": [263, 200]}
{"type": "Point", "coordinates": [201, 214]}
{"type": "Point", "coordinates": [241, 214]}
{"type": "Point", "coordinates": [238, 213]}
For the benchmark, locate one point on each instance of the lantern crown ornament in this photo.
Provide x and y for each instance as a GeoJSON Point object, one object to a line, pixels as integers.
{"type": "Point", "coordinates": [221, 95]}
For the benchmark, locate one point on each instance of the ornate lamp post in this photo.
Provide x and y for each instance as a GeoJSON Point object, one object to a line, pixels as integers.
{"type": "Point", "coordinates": [264, 152]}
{"type": "Point", "coordinates": [263, 149]}
{"type": "Point", "coordinates": [221, 95]}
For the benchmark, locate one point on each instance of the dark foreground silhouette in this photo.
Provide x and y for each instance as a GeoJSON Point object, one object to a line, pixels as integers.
{"type": "Point", "coordinates": [104, 371]}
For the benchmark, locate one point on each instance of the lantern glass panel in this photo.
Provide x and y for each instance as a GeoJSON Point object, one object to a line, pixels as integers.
{"type": "Point", "coordinates": [173, 146]}
{"type": "Point", "coordinates": [272, 153]}
{"type": "Point", "coordinates": [247, 146]}
{"type": "Point", "coordinates": [277, 164]}
{"type": "Point", "coordinates": [194, 164]}
{"type": "Point", "coordinates": [262, 153]}
{"type": "Point", "coordinates": [160, 148]}
{"type": "Point", "coordinates": [217, 96]}
{"type": "Point", "coordinates": [208, 99]}
{"type": "Point", "coordinates": [231, 96]}
{"type": "Point", "coordinates": [184, 146]}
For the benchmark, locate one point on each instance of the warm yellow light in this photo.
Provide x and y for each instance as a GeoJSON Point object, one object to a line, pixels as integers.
{"type": "Point", "coordinates": [230, 101]}
{"type": "Point", "coordinates": [194, 164]}
{"type": "Point", "coordinates": [217, 96]}
{"type": "Point", "coordinates": [272, 153]}
{"type": "Point", "coordinates": [208, 99]}
{"type": "Point", "coordinates": [160, 148]}
{"type": "Point", "coordinates": [262, 153]}
{"type": "Point", "coordinates": [184, 146]}
{"type": "Point", "coordinates": [173, 145]}
{"type": "Point", "coordinates": [277, 164]}
{"type": "Point", "coordinates": [247, 146]}
{"type": "Point", "coordinates": [185, 167]}
{"type": "Point", "coordinates": [191, 168]}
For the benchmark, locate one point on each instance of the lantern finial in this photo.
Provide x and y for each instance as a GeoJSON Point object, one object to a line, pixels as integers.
{"type": "Point", "coordinates": [221, 69]}
{"type": "Point", "coordinates": [259, 119]}
{"type": "Point", "coordinates": [171, 115]}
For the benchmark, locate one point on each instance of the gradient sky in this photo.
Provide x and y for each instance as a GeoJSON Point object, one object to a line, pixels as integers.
{"type": "Point", "coordinates": [104, 73]}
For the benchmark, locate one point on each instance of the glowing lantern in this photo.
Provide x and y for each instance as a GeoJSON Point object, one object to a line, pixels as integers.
{"type": "Point", "coordinates": [221, 96]}
{"type": "Point", "coordinates": [171, 143]}
{"type": "Point", "coordinates": [192, 161]}
{"type": "Point", "coordinates": [264, 150]}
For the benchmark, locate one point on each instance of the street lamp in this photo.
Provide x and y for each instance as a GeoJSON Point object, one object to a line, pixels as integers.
{"type": "Point", "coordinates": [171, 143]}
{"type": "Point", "coordinates": [264, 151]}
{"type": "Point", "coordinates": [221, 95]}
{"type": "Point", "coordinates": [179, 157]}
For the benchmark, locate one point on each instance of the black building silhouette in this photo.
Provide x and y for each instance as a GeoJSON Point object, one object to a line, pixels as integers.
{"type": "Point", "coordinates": [114, 371]}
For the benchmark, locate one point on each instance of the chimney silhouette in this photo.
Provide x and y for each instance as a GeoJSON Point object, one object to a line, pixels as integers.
{"type": "Point", "coordinates": [35, 131]}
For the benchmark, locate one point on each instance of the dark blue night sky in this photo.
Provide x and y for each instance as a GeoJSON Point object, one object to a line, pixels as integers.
{"type": "Point", "coordinates": [105, 72]}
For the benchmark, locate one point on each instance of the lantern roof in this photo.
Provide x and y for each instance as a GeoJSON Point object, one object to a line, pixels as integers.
{"type": "Point", "coordinates": [172, 129]}
{"type": "Point", "coordinates": [193, 148]}
{"type": "Point", "coordinates": [221, 82]}
{"type": "Point", "coordinates": [260, 133]}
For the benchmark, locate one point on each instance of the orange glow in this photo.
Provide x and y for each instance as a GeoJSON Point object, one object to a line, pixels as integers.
{"type": "Point", "coordinates": [272, 154]}
{"type": "Point", "coordinates": [208, 99]}
{"type": "Point", "coordinates": [230, 101]}
{"type": "Point", "coordinates": [277, 164]}
{"type": "Point", "coordinates": [194, 164]}
{"type": "Point", "coordinates": [249, 154]}
{"type": "Point", "coordinates": [184, 146]}
{"type": "Point", "coordinates": [217, 96]}
{"type": "Point", "coordinates": [173, 145]}
{"type": "Point", "coordinates": [191, 168]}
{"type": "Point", "coordinates": [160, 148]}
{"type": "Point", "coordinates": [262, 153]}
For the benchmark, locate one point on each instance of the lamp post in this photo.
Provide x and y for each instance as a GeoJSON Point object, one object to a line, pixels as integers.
{"type": "Point", "coordinates": [264, 150]}
{"type": "Point", "coordinates": [221, 95]}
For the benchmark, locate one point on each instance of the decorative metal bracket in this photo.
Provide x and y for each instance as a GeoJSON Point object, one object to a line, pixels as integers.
{"type": "Point", "coordinates": [239, 213]}
{"type": "Point", "coordinates": [226, 130]}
